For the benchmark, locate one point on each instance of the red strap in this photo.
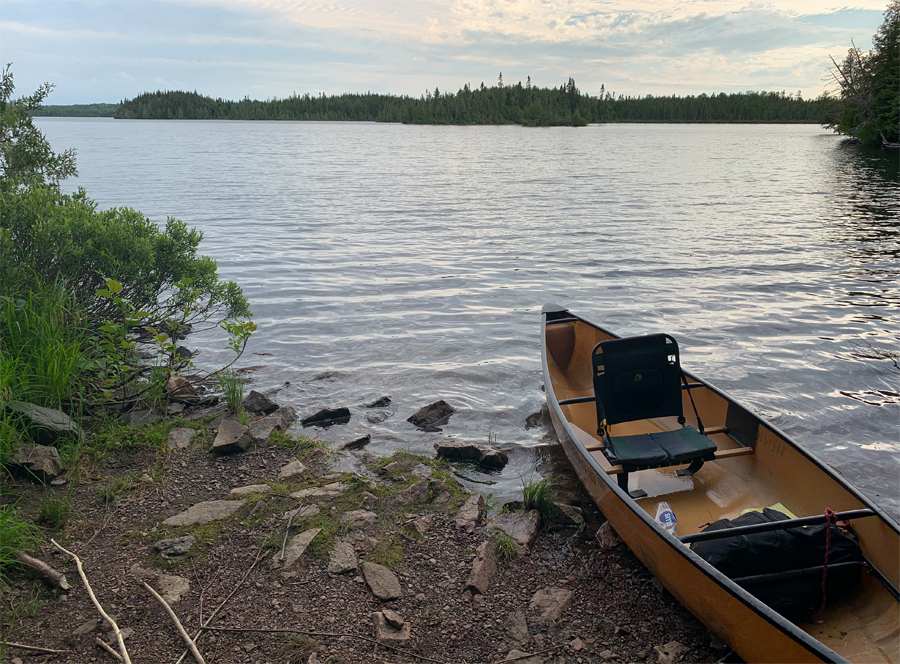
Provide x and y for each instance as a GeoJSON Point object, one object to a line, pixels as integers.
{"type": "Point", "coordinates": [830, 519]}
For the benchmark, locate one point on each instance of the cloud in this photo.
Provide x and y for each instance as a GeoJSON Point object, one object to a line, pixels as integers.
{"type": "Point", "coordinates": [275, 47]}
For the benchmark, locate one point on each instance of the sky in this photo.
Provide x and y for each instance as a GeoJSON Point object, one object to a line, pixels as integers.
{"type": "Point", "coordinates": [110, 50]}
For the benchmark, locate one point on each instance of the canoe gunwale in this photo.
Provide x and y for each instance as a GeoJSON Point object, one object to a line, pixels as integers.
{"type": "Point", "coordinates": [764, 611]}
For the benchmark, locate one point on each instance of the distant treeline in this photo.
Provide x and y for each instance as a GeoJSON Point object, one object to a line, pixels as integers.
{"type": "Point", "coordinates": [501, 104]}
{"type": "Point", "coordinates": [77, 111]}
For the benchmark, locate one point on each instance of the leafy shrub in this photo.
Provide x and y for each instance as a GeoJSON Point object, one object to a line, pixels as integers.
{"type": "Point", "coordinates": [47, 237]}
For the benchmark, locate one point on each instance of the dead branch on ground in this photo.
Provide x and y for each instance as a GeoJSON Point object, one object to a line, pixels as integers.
{"type": "Point", "coordinates": [49, 574]}
{"type": "Point", "coordinates": [87, 586]}
{"type": "Point", "coordinates": [184, 635]}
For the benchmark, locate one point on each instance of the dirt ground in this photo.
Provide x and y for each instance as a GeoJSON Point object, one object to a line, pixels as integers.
{"type": "Point", "coordinates": [618, 611]}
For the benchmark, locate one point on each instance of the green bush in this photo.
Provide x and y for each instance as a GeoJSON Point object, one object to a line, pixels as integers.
{"type": "Point", "coordinates": [47, 237]}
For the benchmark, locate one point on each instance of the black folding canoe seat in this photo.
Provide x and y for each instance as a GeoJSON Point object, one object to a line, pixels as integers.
{"type": "Point", "coordinates": [638, 378]}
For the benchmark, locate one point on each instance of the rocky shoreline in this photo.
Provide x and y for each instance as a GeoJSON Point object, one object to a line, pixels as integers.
{"type": "Point", "coordinates": [271, 556]}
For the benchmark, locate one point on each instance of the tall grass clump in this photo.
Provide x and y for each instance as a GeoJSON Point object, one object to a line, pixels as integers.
{"type": "Point", "coordinates": [16, 535]}
{"type": "Point", "coordinates": [42, 347]}
{"type": "Point", "coordinates": [537, 494]}
{"type": "Point", "coordinates": [232, 384]}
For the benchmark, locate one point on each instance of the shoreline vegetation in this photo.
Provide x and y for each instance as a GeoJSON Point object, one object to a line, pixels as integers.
{"type": "Point", "coordinates": [137, 488]}
{"type": "Point", "coordinates": [518, 104]}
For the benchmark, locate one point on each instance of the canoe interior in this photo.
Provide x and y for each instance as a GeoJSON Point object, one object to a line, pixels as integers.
{"type": "Point", "coordinates": [861, 627]}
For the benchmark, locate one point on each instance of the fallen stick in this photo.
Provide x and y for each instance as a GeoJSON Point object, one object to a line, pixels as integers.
{"type": "Point", "coordinates": [22, 646]}
{"type": "Point", "coordinates": [87, 586]}
{"type": "Point", "coordinates": [103, 644]}
{"type": "Point", "coordinates": [184, 635]}
{"type": "Point", "coordinates": [224, 601]}
{"type": "Point", "coordinates": [289, 630]}
{"type": "Point", "coordinates": [50, 575]}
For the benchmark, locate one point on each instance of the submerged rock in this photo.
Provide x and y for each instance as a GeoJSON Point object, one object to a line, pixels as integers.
{"type": "Point", "coordinates": [382, 402]}
{"type": "Point", "coordinates": [357, 444]}
{"type": "Point", "coordinates": [432, 415]}
{"type": "Point", "coordinates": [327, 417]}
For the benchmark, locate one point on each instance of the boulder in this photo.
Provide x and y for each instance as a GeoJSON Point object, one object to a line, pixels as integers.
{"type": "Point", "coordinates": [327, 417]}
{"type": "Point", "coordinates": [547, 605]}
{"type": "Point", "coordinates": [360, 520]}
{"type": "Point", "coordinates": [37, 462]}
{"type": "Point", "coordinates": [432, 415]}
{"type": "Point", "coordinates": [494, 459]}
{"type": "Point", "coordinates": [415, 494]}
{"type": "Point", "coordinates": [520, 526]}
{"type": "Point", "coordinates": [182, 354]}
{"type": "Point", "coordinates": [381, 581]}
{"type": "Point", "coordinates": [456, 450]}
{"type": "Point", "coordinates": [385, 633]}
{"type": "Point", "coordinates": [381, 402]}
{"type": "Point", "coordinates": [257, 402]}
{"type": "Point", "coordinates": [180, 438]}
{"type": "Point", "coordinates": [291, 469]}
{"type": "Point", "coordinates": [343, 559]}
{"type": "Point", "coordinates": [517, 627]}
{"type": "Point", "coordinates": [393, 618]}
{"type": "Point", "coordinates": [469, 514]}
{"type": "Point", "coordinates": [142, 418]}
{"type": "Point", "coordinates": [232, 437]}
{"type": "Point", "coordinates": [567, 515]}
{"type": "Point", "coordinates": [205, 512]}
{"type": "Point", "coordinates": [174, 547]}
{"type": "Point", "coordinates": [172, 587]}
{"type": "Point", "coordinates": [45, 426]}
{"type": "Point", "coordinates": [179, 386]}
{"type": "Point", "coordinates": [357, 443]}
{"type": "Point", "coordinates": [296, 547]}
{"type": "Point", "coordinates": [670, 652]}
{"type": "Point", "coordinates": [607, 538]}
{"type": "Point", "coordinates": [250, 488]}
{"type": "Point", "coordinates": [484, 568]}
{"type": "Point", "coordinates": [262, 429]}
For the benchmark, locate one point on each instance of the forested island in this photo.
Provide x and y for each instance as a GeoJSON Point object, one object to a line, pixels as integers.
{"type": "Point", "coordinates": [522, 104]}
{"type": "Point", "coordinates": [76, 111]}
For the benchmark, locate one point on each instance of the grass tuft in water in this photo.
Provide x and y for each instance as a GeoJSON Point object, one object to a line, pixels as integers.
{"type": "Point", "coordinates": [537, 494]}
{"type": "Point", "coordinates": [232, 384]}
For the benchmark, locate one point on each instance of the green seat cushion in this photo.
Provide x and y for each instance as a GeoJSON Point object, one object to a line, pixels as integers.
{"type": "Point", "coordinates": [685, 444]}
{"type": "Point", "coordinates": [639, 451]}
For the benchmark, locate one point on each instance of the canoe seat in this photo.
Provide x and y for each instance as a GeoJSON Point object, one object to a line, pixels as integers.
{"type": "Point", "coordinates": [638, 378]}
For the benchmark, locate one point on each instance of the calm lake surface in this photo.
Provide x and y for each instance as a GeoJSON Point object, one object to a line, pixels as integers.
{"type": "Point", "coordinates": [413, 261]}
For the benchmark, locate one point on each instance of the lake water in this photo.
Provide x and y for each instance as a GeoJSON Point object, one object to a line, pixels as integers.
{"type": "Point", "coordinates": [414, 260]}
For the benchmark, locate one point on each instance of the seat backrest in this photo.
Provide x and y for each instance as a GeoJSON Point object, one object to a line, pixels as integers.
{"type": "Point", "coordinates": [636, 378]}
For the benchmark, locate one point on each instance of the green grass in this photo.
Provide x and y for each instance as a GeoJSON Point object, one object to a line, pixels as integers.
{"type": "Point", "coordinates": [232, 385]}
{"type": "Point", "coordinates": [506, 548]}
{"type": "Point", "coordinates": [54, 510]}
{"type": "Point", "coordinates": [16, 534]}
{"type": "Point", "coordinates": [537, 494]}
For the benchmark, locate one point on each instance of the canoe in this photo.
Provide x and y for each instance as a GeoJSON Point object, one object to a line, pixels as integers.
{"type": "Point", "coordinates": [754, 466]}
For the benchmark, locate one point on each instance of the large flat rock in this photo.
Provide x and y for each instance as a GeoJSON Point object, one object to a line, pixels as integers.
{"type": "Point", "coordinates": [521, 526]}
{"type": "Point", "coordinates": [45, 426]}
{"type": "Point", "coordinates": [37, 462]}
{"type": "Point", "coordinates": [205, 512]}
{"type": "Point", "coordinates": [381, 581]}
{"type": "Point", "coordinates": [297, 546]}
